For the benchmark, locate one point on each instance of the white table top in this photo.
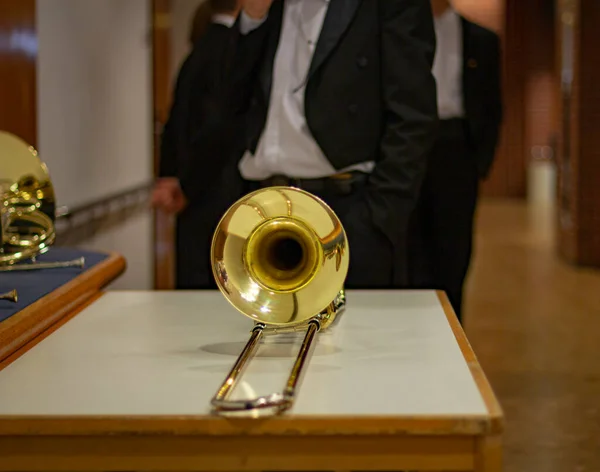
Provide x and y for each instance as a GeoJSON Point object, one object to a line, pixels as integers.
{"type": "Point", "coordinates": [166, 353]}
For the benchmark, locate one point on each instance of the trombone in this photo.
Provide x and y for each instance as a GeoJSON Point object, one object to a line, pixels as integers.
{"type": "Point", "coordinates": [280, 256]}
{"type": "Point", "coordinates": [27, 207]}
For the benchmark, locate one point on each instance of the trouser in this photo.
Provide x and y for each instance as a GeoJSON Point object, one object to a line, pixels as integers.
{"type": "Point", "coordinates": [196, 226]}
{"type": "Point", "coordinates": [441, 228]}
{"type": "Point", "coordinates": [371, 252]}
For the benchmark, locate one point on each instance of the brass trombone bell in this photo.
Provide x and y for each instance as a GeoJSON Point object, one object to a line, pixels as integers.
{"type": "Point", "coordinates": [280, 256]}
{"type": "Point", "coordinates": [27, 202]}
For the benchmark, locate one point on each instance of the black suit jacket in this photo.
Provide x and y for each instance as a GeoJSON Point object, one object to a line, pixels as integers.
{"type": "Point", "coordinates": [206, 168]}
{"type": "Point", "coordinates": [482, 92]}
{"type": "Point", "coordinates": [198, 111]}
{"type": "Point", "coordinates": [370, 94]}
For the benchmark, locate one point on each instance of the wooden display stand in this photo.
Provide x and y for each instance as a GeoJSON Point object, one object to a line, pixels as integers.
{"type": "Point", "coordinates": [27, 327]}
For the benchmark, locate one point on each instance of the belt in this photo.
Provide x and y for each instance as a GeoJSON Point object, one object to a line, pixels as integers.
{"type": "Point", "coordinates": [338, 184]}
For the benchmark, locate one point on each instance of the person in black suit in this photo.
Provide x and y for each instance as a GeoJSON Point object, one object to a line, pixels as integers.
{"type": "Point", "coordinates": [196, 185]}
{"type": "Point", "coordinates": [339, 99]}
{"type": "Point", "coordinates": [467, 70]}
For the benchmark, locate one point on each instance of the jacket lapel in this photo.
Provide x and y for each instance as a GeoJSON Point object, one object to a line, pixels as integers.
{"type": "Point", "coordinates": [466, 43]}
{"type": "Point", "coordinates": [469, 62]}
{"type": "Point", "coordinates": [338, 18]}
{"type": "Point", "coordinates": [266, 70]}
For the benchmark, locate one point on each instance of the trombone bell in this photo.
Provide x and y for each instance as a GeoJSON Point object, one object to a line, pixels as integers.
{"type": "Point", "coordinates": [280, 256]}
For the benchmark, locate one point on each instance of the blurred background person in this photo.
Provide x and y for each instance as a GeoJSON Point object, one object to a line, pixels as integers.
{"type": "Point", "coordinates": [339, 100]}
{"type": "Point", "coordinates": [467, 72]}
{"type": "Point", "coordinates": [198, 182]}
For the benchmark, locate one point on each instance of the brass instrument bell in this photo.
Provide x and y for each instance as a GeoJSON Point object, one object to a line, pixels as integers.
{"type": "Point", "coordinates": [27, 202]}
{"type": "Point", "coordinates": [27, 207]}
{"type": "Point", "coordinates": [280, 256]}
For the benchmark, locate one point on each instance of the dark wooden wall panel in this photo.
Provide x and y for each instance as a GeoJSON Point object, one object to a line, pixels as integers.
{"type": "Point", "coordinates": [18, 54]}
{"type": "Point", "coordinates": [508, 176]}
{"type": "Point", "coordinates": [567, 90]}
{"type": "Point", "coordinates": [579, 156]}
{"type": "Point", "coordinates": [540, 108]}
{"type": "Point", "coordinates": [588, 131]}
{"type": "Point", "coordinates": [527, 31]}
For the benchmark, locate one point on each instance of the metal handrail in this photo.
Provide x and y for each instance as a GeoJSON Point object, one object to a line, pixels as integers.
{"type": "Point", "coordinates": [66, 212]}
{"type": "Point", "coordinates": [89, 215]}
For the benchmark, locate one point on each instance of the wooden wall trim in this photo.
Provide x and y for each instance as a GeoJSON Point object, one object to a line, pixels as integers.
{"type": "Point", "coordinates": [164, 225]}
{"type": "Point", "coordinates": [566, 149]}
{"type": "Point", "coordinates": [579, 141]}
{"type": "Point", "coordinates": [18, 69]}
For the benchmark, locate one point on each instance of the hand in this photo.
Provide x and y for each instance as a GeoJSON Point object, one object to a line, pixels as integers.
{"type": "Point", "coordinates": [257, 9]}
{"type": "Point", "coordinates": [168, 196]}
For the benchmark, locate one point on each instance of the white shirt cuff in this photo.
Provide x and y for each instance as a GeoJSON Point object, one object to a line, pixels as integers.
{"type": "Point", "coordinates": [248, 24]}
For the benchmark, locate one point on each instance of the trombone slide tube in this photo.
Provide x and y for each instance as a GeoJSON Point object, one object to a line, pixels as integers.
{"type": "Point", "coordinates": [80, 262]}
{"type": "Point", "coordinates": [220, 401]}
{"type": "Point", "coordinates": [280, 401]}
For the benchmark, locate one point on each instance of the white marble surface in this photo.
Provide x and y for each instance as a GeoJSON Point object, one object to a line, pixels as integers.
{"type": "Point", "coordinates": [166, 353]}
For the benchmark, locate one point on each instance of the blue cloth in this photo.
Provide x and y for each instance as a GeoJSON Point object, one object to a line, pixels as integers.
{"type": "Point", "coordinates": [33, 285]}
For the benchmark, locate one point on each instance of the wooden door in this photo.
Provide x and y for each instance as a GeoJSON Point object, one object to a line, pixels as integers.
{"type": "Point", "coordinates": [579, 140]}
{"type": "Point", "coordinates": [18, 55]}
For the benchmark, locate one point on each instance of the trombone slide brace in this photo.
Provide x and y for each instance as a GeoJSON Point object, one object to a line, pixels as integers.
{"type": "Point", "coordinates": [280, 401]}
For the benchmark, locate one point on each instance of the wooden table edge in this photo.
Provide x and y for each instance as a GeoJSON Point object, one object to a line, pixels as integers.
{"type": "Point", "coordinates": [496, 414]}
{"type": "Point", "coordinates": [210, 425]}
{"type": "Point", "coordinates": [23, 327]}
{"type": "Point", "coordinates": [214, 453]}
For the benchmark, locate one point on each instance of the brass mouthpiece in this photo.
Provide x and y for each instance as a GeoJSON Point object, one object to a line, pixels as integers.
{"type": "Point", "coordinates": [10, 296]}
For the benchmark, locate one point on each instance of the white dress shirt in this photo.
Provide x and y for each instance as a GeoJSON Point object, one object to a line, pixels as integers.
{"type": "Point", "coordinates": [286, 146]}
{"type": "Point", "coordinates": [448, 65]}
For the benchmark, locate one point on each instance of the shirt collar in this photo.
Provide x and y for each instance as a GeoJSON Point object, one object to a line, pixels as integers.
{"type": "Point", "coordinates": [223, 19]}
{"type": "Point", "coordinates": [447, 15]}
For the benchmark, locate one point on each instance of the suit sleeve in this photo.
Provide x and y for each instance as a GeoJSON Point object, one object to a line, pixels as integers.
{"type": "Point", "coordinates": [169, 151]}
{"type": "Point", "coordinates": [222, 79]}
{"type": "Point", "coordinates": [410, 105]}
{"type": "Point", "coordinates": [493, 104]}
{"type": "Point", "coordinates": [207, 123]}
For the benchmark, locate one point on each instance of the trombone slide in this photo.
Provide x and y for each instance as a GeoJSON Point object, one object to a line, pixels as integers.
{"type": "Point", "coordinates": [280, 401]}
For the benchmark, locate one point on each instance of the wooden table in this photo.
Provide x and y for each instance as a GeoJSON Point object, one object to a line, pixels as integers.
{"type": "Point", "coordinates": [126, 385]}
